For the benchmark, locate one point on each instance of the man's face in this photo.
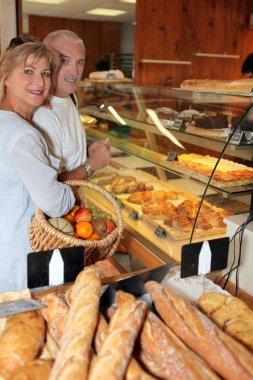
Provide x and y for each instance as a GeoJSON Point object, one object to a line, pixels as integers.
{"type": "Point", "coordinates": [72, 59]}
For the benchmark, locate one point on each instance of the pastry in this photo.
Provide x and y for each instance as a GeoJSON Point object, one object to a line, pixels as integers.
{"type": "Point", "coordinates": [110, 74]}
{"type": "Point", "coordinates": [140, 196]}
{"type": "Point", "coordinates": [36, 370]}
{"type": "Point", "coordinates": [231, 314]}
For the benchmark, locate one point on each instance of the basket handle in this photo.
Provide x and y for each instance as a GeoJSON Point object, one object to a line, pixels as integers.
{"type": "Point", "coordinates": [106, 194]}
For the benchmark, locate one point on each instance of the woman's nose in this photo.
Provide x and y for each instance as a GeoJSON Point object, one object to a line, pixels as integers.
{"type": "Point", "coordinates": [40, 80]}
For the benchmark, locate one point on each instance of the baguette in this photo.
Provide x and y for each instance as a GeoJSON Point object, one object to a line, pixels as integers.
{"type": "Point", "coordinates": [231, 314]}
{"type": "Point", "coordinates": [55, 314]}
{"type": "Point", "coordinates": [35, 370]}
{"type": "Point", "coordinates": [20, 342]}
{"type": "Point", "coordinates": [226, 356]}
{"type": "Point", "coordinates": [134, 370]}
{"type": "Point", "coordinates": [113, 358]}
{"type": "Point", "coordinates": [73, 358]}
{"type": "Point", "coordinates": [166, 356]}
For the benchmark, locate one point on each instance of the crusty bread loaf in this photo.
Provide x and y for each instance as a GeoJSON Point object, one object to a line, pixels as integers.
{"type": "Point", "coordinates": [134, 370]}
{"type": "Point", "coordinates": [226, 356]}
{"type": "Point", "coordinates": [231, 314]}
{"type": "Point", "coordinates": [73, 358]}
{"type": "Point", "coordinates": [113, 358]}
{"type": "Point", "coordinates": [55, 314]}
{"type": "Point", "coordinates": [110, 74]}
{"type": "Point", "coordinates": [35, 370]}
{"type": "Point", "coordinates": [166, 356]}
{"type": "Point", "coordinates": [21, 341]}
{"type": "Point", "coordinates": [242, 86]}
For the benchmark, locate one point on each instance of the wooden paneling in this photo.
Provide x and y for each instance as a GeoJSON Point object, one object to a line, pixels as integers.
{"type": "Point", "coordinates": [99, 37]}
{"type": "Point", "coordinates": [176, 29]}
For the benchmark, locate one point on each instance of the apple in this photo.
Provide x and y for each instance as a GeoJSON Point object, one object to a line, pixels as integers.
{"type": "Point", "coordinates": [110, 226]}
{"type": "Point", "coordinates": [99, 227]}
{"type": "Point", "coordinates": [83, 214]}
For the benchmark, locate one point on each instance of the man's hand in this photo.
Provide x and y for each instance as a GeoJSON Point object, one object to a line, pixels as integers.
{"type": "Point", "coordinates": [99, 154]}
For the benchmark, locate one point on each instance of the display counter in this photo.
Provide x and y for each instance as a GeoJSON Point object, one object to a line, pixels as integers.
{"type": "Point", "coordinates": [187, 155]}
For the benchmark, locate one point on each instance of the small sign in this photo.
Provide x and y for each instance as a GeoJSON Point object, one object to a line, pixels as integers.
{"type": "Point", "coordinates": [134, 215]}
{"type": "Point", "coordinates": [204, 257]}
{"type": "Point", "coordinates": [54, 267]}
{"type": "Point", "coordinates": [178, 124]}
{"type": "Point", "coordinates": [159, 231]}
{"type": "Point", "coordinates": [172, 156]}
{"type": "Point", "coordinates": [238, 137]}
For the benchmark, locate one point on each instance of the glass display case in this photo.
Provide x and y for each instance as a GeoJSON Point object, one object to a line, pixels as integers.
{"type": "Point", "coordinates": [181, 160]}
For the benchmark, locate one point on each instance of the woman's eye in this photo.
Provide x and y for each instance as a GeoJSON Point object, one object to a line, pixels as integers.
{"type": "Point", "coordinates": [28, 71]}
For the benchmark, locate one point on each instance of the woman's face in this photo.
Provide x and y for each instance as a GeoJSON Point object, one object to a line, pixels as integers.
{"type": "Point", "coordinates": [28, 84]}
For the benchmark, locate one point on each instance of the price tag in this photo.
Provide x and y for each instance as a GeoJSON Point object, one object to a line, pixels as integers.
{"type": "Point", "coordinates": [204, 257]}
{"type": "Point", "coordinates": [54, 267]}
{"type": "Point", "coordinates": [159, 231]}
{"type": "Point", "coordinates": [178, 124]}
{"type": "Point", "coordinates": [134, 215]}
{"type": "Point", "coordinates": [120, 203]}
{"type": "Point", "coordinates": [172, 156]}
{"type": "Point", "coordinates": [239, 137]}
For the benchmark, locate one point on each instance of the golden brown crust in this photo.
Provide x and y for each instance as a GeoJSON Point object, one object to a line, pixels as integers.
{"type": "Point", "coordinates": [201, 335]}
{"type": "Point", "coordinates": [243, 86]}
{"type": "Point", "coordinates": [35, 370]}
{"type": "Point", "coordinates": [55, 314]}
{"type": "Point", "coordinates": [166, 356]}
{"type": "Point", "coordinates": [115, 353]}
{"type": "Point", "coordinates": [21, 341]}
{"type": "Point", "coordinates": [73, 358]}
{"type": "Point", "coordinates": [231, 314]}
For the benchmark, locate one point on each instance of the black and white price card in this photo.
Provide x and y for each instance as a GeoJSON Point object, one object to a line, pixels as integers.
{"type": "Point", "coordinates": [54, 267]}
{"type": "Point", "coordinates": [204, 257]}
{"type": "Point", "coordinates": [238, 137]}
{"type": "Point", "coordinates": [179, 124]}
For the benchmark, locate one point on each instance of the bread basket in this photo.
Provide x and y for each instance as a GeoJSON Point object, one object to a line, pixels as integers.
{"type": "Point", "coordinates": [43, 236]}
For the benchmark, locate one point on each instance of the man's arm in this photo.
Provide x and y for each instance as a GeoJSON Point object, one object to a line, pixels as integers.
{"type": "Point", "coordinates": [99, 157]}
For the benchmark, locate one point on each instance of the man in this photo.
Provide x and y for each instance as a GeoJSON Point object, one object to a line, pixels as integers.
{"type": "Point", "coordinates": [61, 125]}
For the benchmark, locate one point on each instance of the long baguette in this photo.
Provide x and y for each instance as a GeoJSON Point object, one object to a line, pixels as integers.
{"type": "Point", "coordinates": [226, 356]}
{"type": "Point", "coordinates": [114, 355]}
{"type": "Point", "coordinates": [21, 341]}
{"type": "Point", "coordinates": [55, 314]}
{"type": "Point", "coordinates": [73, 359]}
{"type": "Point", "coordinates": [134, 370]}
{"type": "Point", "coordinates": [167, 357]}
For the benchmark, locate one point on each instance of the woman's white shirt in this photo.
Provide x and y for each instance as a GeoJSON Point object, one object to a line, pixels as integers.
{"type": "Point", "coordinates": [28, 177]}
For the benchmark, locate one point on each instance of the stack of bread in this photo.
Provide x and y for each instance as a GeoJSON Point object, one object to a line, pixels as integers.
{"type": "Point", "coordinates": [239, 86]}
{"type": "Point", "coordinates": [71, 339]}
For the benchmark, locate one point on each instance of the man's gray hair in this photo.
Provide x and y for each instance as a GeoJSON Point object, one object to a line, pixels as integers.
{"type": "Point", "coordinates": [64, 33]}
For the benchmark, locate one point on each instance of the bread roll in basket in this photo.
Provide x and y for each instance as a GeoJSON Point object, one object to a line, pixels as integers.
{"type": "Point", "coordinates": [43, 236]}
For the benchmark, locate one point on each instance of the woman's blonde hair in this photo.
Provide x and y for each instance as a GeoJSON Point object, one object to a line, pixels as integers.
{"type": "Point", "coordinates": [18, 55]}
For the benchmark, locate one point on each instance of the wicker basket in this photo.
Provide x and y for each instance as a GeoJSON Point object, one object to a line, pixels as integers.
{"type": "Point", "coordinates": [43, 236]}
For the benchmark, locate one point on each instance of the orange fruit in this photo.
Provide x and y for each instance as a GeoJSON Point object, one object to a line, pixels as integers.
{"type": "Point", "coordinates": [94, 237]}
{"type": "Point", "coordinates": [84, 229]}
{"type": "Point", "coordinates": [69, 218]}
{"type": "Point", "coordinates": [73, 210]}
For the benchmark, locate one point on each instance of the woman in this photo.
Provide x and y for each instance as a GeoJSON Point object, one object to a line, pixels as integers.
{"type": "Point", "coordinates": [28, 173]}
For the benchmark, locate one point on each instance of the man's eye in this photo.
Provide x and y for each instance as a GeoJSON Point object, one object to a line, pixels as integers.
{"type": "Point", "coordinates": [81, 63]}
{"type": "Point", "coordinates": [64, 60]}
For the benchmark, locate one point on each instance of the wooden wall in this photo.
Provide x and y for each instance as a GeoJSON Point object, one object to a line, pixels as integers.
{"type": "Point", "coordinates": [99, 37]}
{"type": "Point", "coordinates": [176, 29]}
